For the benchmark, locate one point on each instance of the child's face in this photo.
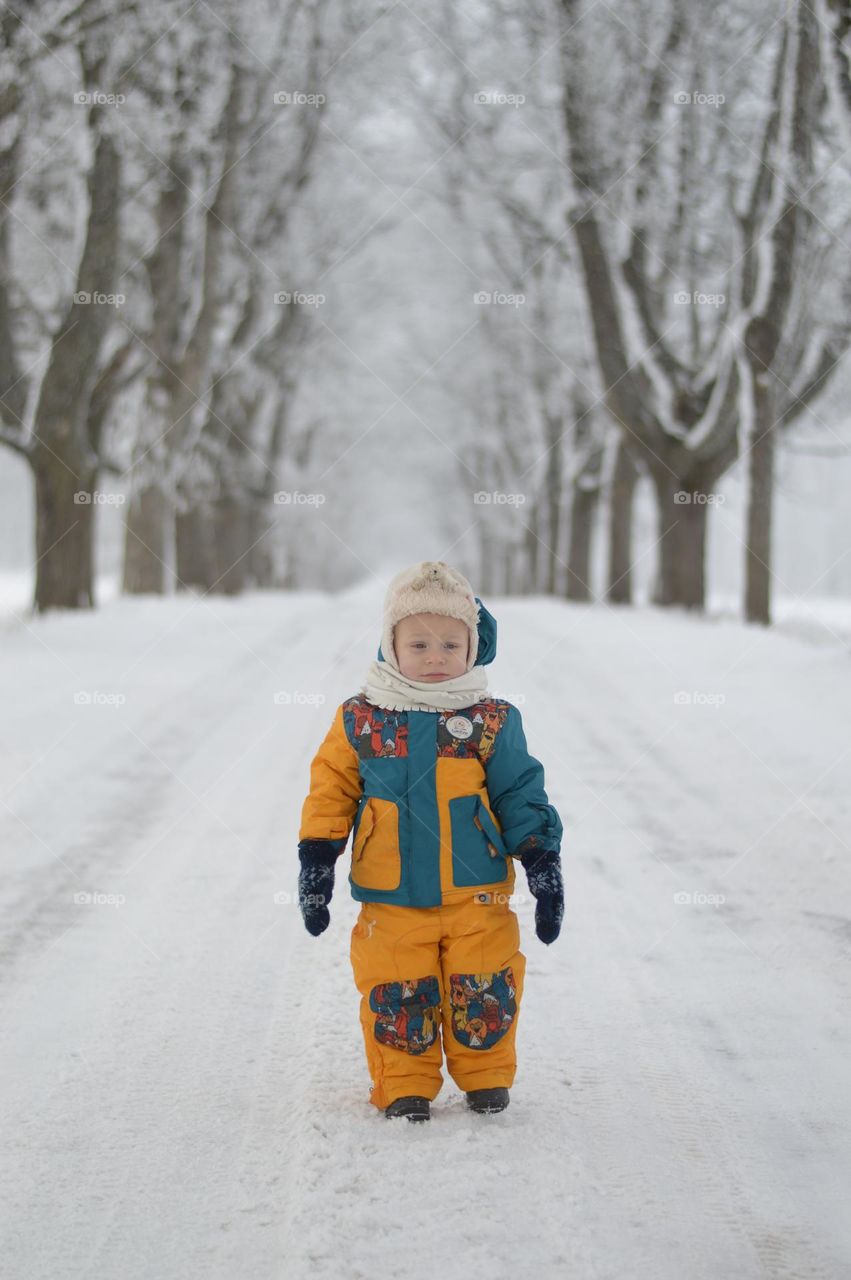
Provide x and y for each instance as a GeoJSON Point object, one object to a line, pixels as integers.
{"type": "Point", "coordinates": [430, 646]}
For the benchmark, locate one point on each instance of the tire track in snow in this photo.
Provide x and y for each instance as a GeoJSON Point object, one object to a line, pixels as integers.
{"type": "Point", "coordinates": [178, 1100]}
{"type": "Point", "coordinates": [708, 1169]}
{"type": "Point", "coordinates": [183, 729]}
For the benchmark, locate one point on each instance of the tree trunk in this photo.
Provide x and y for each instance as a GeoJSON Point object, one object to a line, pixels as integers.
{"type": "Point", "coordinates": [232, 535]}
{"type": "Point", "coordinates": [508, 570]}
{"type": "Point", "coordinates": [760, 504]}
{"type": "Point", "coordinates": [619, 590]}
{"type": "Point", "coordinates": [290, 570]}
{"type": "Point", "coordinates": [64, 458]}
{"type": "Point", "coordinates": [682, 507]}
{"type": "Point", "coordinates": [531, 580]}
{"type": "Point", "coordinates": [63, 535]}
{"type": "Point", "coordinates": [264, 569]}
{"type": "Point", "coordinates": [554, 498]}
{"type": "Point", "coordinates": [579, 557]}
{"type": "Point", "coordinates": [487, 574]}
{"type": "Point", "coordinates": [149, 517]}
{"type": "Point", "coordinates": [553, 557]}
{"type": "Point", "coordinates": [194, 550]}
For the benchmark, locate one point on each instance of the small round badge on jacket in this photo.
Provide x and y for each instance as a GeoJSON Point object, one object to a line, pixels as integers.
{"type": "Point", "coordinates": [459, 726]}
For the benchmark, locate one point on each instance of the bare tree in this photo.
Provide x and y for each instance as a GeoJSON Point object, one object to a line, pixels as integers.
{"type": "Point", "coordinates": [778, 295]}
{"type": "Point", "coordinates": [680, 401]}
{"type": "Point", "coordinates": [205, 471]}
{"type": "Point", "coordinates": [60, 438]}
{"type": "Point", "coordinates": [507, 213]}
{"type": "Point", "coordinates": [182, 351]}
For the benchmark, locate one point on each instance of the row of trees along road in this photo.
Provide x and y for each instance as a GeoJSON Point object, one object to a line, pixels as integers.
{"type": "Point", "coordinates": [657, 159]}
{"type": "Point", "coordinates": [646, 195]}
{"type": "Point", "coordinates": [155, 338]}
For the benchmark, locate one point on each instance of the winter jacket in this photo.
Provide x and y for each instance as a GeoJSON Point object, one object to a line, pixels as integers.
{"type": "Point", "coordinates": [439, 802]}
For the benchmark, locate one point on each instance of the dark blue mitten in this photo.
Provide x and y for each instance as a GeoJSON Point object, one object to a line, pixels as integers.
{"type": "Point", "coordinates": [543, 872]}
{"type": "Point", "coordinates": [316, 883]}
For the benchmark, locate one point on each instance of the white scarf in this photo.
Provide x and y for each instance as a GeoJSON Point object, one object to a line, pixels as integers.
{"type": "Point", "coordinates": [388, 688]}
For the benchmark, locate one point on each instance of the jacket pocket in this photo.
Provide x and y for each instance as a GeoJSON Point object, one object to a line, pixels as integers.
{"type": "Point", "coordinates": [376, 860]}
{"type": "Point", "coordinates": [478, 849]}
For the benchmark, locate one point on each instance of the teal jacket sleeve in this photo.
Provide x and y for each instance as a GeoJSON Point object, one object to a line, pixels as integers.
{"type": "Point", "coordinates": [515, 782]}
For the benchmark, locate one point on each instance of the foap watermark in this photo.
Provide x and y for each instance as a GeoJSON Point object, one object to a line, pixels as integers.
{"type": "Point", "coordinates": [683, 497]}
{"type": "Point", "coordinates": [513, 899]}
{"type": "Point", "coordinates": [696, 298]}
{"type": "Point", "coordinates": [98, 698]}
{"type": "Point", "coordinates": [83, 898]}
{"type": "Point", "coordinates": [295, 498]}
{"type": "Point", "coordinates": [85, 299]}
{"type": "Point", "coordinates": [298, 98]}
{"type": "Point", "coordinates": [98, 498]}
{"type": "Point", "coordinates": [295, 698]}
{"type": "Point", "coordinates": [298, 298]}
{"type": "Point", "coordinates": [695, 98]}
{"type": "Point", "coordinates": [684, 899]}
{"type": "Point", "coordinates": [497, 298]}
{"type": "Point", "coordinates": [497, 98]}
{"type": "Point", "coordinates": [496, 498]}
{"type": "Point", "coordinates": [698, 698]}
{"type": "Point", "coordinates": [99, 99]}
{"type": "Point", "coordinates": [285, 898]}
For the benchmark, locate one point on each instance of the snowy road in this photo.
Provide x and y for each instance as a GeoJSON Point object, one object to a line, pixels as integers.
{"type": "Point", "coordinates": [183, 1086]}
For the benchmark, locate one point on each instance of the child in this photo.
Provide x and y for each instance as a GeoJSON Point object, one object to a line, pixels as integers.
{"type": "Point", "coordinates": [435, 777]}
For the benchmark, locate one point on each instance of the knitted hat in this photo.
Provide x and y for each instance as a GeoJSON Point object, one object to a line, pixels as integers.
{"type": "Point", "coordinates": [429, 587]}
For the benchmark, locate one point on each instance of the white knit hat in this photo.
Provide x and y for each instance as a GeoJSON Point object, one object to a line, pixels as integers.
{"type": "Point", "coordinates": [429, 587]}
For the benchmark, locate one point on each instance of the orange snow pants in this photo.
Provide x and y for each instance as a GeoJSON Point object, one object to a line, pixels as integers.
{"type": "Point", "coordinates": [455, 969]}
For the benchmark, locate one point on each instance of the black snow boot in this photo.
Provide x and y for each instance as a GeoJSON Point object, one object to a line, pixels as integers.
{"type": "Point", "coordinates": [487, 1100]}
{"type": "Point", "coordinates": [413, 1107]}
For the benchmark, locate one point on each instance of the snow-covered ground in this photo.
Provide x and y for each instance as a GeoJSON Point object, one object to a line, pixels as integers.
{"type": "Point", "coordinates": [183, 1086]}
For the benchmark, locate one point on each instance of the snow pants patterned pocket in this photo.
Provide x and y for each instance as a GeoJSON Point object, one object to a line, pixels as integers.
{"type": "Point", "coordinates": [434, 981]}
{"type": "Point", "coordinates": [408, 1013]}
